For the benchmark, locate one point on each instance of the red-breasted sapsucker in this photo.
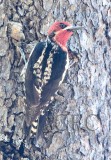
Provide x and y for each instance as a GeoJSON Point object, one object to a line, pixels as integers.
{"type": "Point", "coordinates": [46, 69]}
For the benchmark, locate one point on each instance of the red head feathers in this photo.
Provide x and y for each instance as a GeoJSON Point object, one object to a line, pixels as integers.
{"type": "Point", "coordinates": [60, 32]}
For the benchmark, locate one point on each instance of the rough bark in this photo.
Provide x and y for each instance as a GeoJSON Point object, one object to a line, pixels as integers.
{"type": "Point", "coordinates": [79, 123]}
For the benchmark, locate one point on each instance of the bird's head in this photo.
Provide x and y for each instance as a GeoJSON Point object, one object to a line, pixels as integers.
{"type": "Point", "coordinates": [60, 32]}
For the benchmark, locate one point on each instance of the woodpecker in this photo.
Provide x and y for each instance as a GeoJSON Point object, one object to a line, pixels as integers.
{"type": "Point", "coordinates": [46, 69]}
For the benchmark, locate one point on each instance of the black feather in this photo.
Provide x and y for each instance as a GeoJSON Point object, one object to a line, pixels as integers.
{"type": "Point", "coordinates": [34, 99]}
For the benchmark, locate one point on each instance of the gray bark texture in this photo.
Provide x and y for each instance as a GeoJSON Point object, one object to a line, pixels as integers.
{"type": "Point", "coordinates": [79, 122]}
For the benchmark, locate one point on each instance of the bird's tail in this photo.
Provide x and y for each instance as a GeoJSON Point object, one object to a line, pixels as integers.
{"type": "Point", "coordinates": [31, 132]}
{"type": "Point", "coordinates": [36, 128]}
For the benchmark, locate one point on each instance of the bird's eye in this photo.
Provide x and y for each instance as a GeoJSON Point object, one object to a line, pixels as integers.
{"type": "Point", "coordinates": [52, 35]}
{"type": "Point", "coordinates": [62, 25]}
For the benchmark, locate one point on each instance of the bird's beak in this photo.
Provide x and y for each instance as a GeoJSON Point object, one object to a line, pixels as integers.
{"type": "Point", "coordinates": [73, 28]}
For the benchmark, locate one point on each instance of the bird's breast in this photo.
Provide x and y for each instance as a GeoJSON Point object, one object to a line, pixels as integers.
{"type": "Point", "coordinates": [65, 69]}
{"type": "Point", "coordinates": [60, 64]}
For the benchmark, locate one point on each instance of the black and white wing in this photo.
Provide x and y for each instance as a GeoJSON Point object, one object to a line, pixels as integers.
{"type": "Point", "coordinates": [45, 71]}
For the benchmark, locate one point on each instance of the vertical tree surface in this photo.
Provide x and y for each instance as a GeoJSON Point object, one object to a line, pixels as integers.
{"type": "Point", "coordinates": [79, 124]}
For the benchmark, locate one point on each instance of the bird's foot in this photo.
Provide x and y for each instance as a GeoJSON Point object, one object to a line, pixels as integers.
{"type": "Point", "coordinates": [74, 57]}
{"type": "Point", "coordinates": [73, 54]}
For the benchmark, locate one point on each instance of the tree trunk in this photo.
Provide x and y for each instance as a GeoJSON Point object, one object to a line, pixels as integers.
{"type": "Point", "coordinates": [79, 123]}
